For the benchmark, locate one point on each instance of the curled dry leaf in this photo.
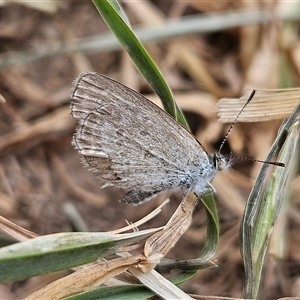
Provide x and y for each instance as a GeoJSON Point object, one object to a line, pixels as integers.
{"type": "Point", "coordinates": [85, 279]}
{"type": "Point", "coordinates": [266, 105]}
{"type": "Point", "coordinates": [161, 242]}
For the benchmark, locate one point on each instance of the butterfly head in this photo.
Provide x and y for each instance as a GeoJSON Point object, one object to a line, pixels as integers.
{"type": "Point", "coordinates": [221, 162]}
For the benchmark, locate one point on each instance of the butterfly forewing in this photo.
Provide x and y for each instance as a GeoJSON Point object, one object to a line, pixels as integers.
{"type": "Point", "coordinates": [129, 141]}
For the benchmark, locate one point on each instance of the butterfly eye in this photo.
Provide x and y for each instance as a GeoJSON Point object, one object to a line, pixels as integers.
{"type": "Point", "coordinates": [221, 162]}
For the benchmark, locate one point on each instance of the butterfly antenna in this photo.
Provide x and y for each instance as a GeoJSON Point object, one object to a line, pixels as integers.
{"type": "Point", "coordinates": [275, 163]}
{"type": "Point", "coordinates": [235, 120]}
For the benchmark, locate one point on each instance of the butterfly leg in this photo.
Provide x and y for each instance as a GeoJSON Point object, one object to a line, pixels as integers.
{"type": "Point", "coordinates": [209, 189]}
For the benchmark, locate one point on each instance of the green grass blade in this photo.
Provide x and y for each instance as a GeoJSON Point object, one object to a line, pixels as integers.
{"type": "Point", "coordinates": [140, 57]}
{"type": "Point", "coordinates": [212, 234]}
{"type": "Point", "coordinates": [271, 205]}
{"type": "Point", "coordinates": [254, 206]}
{"type": "Point", "coordinates": [60, 251]}
{"type": "Point", "coordinates": [118, 8]}
{"type": "Point", "coordinates": [123, 292]}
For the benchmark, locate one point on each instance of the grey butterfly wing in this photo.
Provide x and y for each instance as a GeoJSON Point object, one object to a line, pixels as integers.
{"type": "Point", "coordinates": [129, 141]}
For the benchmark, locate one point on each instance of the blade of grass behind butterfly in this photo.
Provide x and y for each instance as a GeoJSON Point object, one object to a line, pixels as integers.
{"type": "Point", "coordinates": [253, 204]}
{"type": "Point", "coordinates": [109, 11]}
{"type": "Point", "coordinates": [148, 69]}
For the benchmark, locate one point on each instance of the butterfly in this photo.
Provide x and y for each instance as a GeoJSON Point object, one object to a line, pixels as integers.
{"type": "Point", "coordinates": [132, 144]}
